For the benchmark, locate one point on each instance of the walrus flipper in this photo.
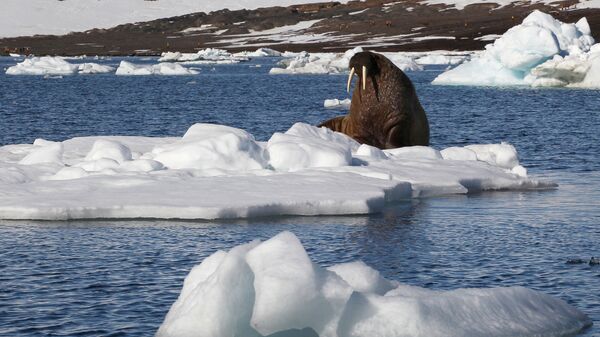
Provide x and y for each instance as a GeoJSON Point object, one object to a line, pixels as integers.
{"type": "Point", "coordinates": [335, 124]}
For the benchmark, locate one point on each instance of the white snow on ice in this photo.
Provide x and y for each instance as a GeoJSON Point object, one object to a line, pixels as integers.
{"type": "Point", "coordinates": [541, 51]}
{"type": "Point", "coordinates": [273, 287]}
{"type": "Point", "coordinates": [49, 65]}
{"type": "Point", "coordinates": [216, 171]}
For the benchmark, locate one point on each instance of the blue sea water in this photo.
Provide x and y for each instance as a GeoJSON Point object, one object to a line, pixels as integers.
{"type": "Point", "coordinates": [118, 278]}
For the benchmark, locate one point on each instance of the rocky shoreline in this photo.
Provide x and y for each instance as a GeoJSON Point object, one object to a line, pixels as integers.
{"type": "Point", "coordinates": [398, 26]}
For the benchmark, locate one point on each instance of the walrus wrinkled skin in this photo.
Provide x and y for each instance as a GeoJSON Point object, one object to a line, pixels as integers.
{"type": "Point", "coordinates": [385, 111]}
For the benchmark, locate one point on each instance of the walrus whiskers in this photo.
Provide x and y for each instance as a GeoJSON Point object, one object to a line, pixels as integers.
{"type": "Point", "coordinates": [364, 79]}
{"type": "Point", "coordinates": [350, 79]}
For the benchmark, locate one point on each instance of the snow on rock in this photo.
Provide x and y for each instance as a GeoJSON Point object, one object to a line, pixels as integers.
{"type": "Point", "coordinates": [541, 51]}
{"type": "Point", "coordinates": [335, 103]}
{"type": "Point", "coordinates": [216, 171]}
{"type": "Point", "coordinates": [204, 56]}
{"type": "Point", "coordinates": [131, 69]}
{"type": "Point", "coordinates": [273, 288]}
{"type": "Point", "coordinates": [333, 63]}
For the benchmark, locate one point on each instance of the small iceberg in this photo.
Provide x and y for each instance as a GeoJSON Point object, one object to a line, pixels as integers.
{"type": "Point", "coordinates": [167, 69]}
{"type": "Point", "coordinates": [55, 66]}
{"type": "Point", "coordinates": [539, 52]}
{"type": "Point", "coordinates": [204, 56]}
{"type": "Point", "coordinates": [343, 104]}
{"type": "Point", "coordinates": [272, 288]}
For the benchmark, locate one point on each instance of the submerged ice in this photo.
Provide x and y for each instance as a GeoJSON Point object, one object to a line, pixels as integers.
{"type": "Point", "coordinates": [541, 51]}
{"type": "Point", "coordinates": [273, 288]}
{"type": "Point", "coordinates": [216, 171]}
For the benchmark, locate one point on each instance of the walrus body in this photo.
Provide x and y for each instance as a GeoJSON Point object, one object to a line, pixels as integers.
{"type": "Point", "coordinates": [385, 111]}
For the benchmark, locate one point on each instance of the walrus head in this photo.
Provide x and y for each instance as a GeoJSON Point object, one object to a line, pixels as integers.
{"type": "Point", "coordinates": [363, 64]}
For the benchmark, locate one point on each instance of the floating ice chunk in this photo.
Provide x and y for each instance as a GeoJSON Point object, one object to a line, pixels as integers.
{"type": "Point", "coordinates": [208, 55]}
{"type": "Point", "coordinates": [45, 152]}
{"type": "Point", "coordinates": [210, 146]}
{"type": "Point", "coordinates": [304, 146]}
{"type": "Point", "coordinates": [520, 55]}
{"type": "Point", "coordinates": [260, 289]}
{"type": "Point", "coordinates": [128, 68]}
{"type": "Point", "coordinates": [335, 103]}
{"type": "Point", "coordinates": [46, 65]}
{"type": "Point", "coordinates": [94, 68]}
{"type": "Point", "coordinates": [109, 149]}
{"type": "Point", "coordinates": [440, 59]}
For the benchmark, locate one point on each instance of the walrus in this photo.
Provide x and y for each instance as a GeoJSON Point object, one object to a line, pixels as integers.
{"type": "Point", "coordinates": [385, 111]}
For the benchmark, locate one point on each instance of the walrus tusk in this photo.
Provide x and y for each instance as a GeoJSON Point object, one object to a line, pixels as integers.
{"type": "Point", "coordinates": [364, 79]}
{"type": "Point", "coordinates": [350, 79]}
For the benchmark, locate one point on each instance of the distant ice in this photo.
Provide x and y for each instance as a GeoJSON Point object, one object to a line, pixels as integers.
{"type": "Point", "coordinates": [335, 103]}
{"type": "Point", "coordinates": [260, 52]}
{"type": "Point", "coordinates": [205, 56]}
{"type": "Point", "coordinates": [52, 66]}
{"type": "Point", "coordinates": [164, 68]}
{"type": "Point", "coordinates": [272, 288]}
{"type": "Point", "coordinates": [216, 171]}
{"type": "Point", "coordinates": [539, 52]}
{"type": "Point", "coordinates": [332, 63]}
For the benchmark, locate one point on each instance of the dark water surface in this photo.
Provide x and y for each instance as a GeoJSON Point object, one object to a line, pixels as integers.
{"type": "Point", "coordinates": [118, 278]}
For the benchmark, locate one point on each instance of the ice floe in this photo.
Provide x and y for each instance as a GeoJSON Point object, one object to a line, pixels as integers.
{"type": "Point", "coordinates": [204, 56]}
{"type": "Point", "coordinates": [541, 51]}
{"type": "Point", "coordinates": [272, 288]}
{"type": "Point", "coordinates": [332, 63]}
{"type": "Point", "coordinates": [260, 52]}
{"type": "Point", "coordinates": [216, 171]}
{"type": "Point", "coordinates": [55, 65]}
{"type": "Point", "coordinates": [163, 68]}
{"type": "Point", "coordinates": [335, 103]}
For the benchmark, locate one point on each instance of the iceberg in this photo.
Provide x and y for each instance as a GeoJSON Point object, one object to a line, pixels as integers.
{"type": "Point", "coordinates": [219, 172]}
{"type": "Point", "coordinates": [131, 69]}
{"type": "Point", "coordinates": [272, 288]}
{"type": "Point", "coordinates": [541, 51]}
{"type": "Point", "coordinates": [335, 103]}
{"type": "Point", "coordinates": [332, 63]}
{"type": "Point", "coordinates": [55, 66]}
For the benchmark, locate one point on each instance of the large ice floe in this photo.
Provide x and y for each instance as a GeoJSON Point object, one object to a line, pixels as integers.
{"type": "Point", "coordinates": [539, 52]}
{"type": "Point", "coordinates": [216, 171]}
{"type": "Point", "coordinates": [272, 288]}
{"type": "Point", "coordinates": [55, 65]}
{"type": "Point", "coordinates": [164, 68]}
{"type": "Point", "coordinates": [333, 63]}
